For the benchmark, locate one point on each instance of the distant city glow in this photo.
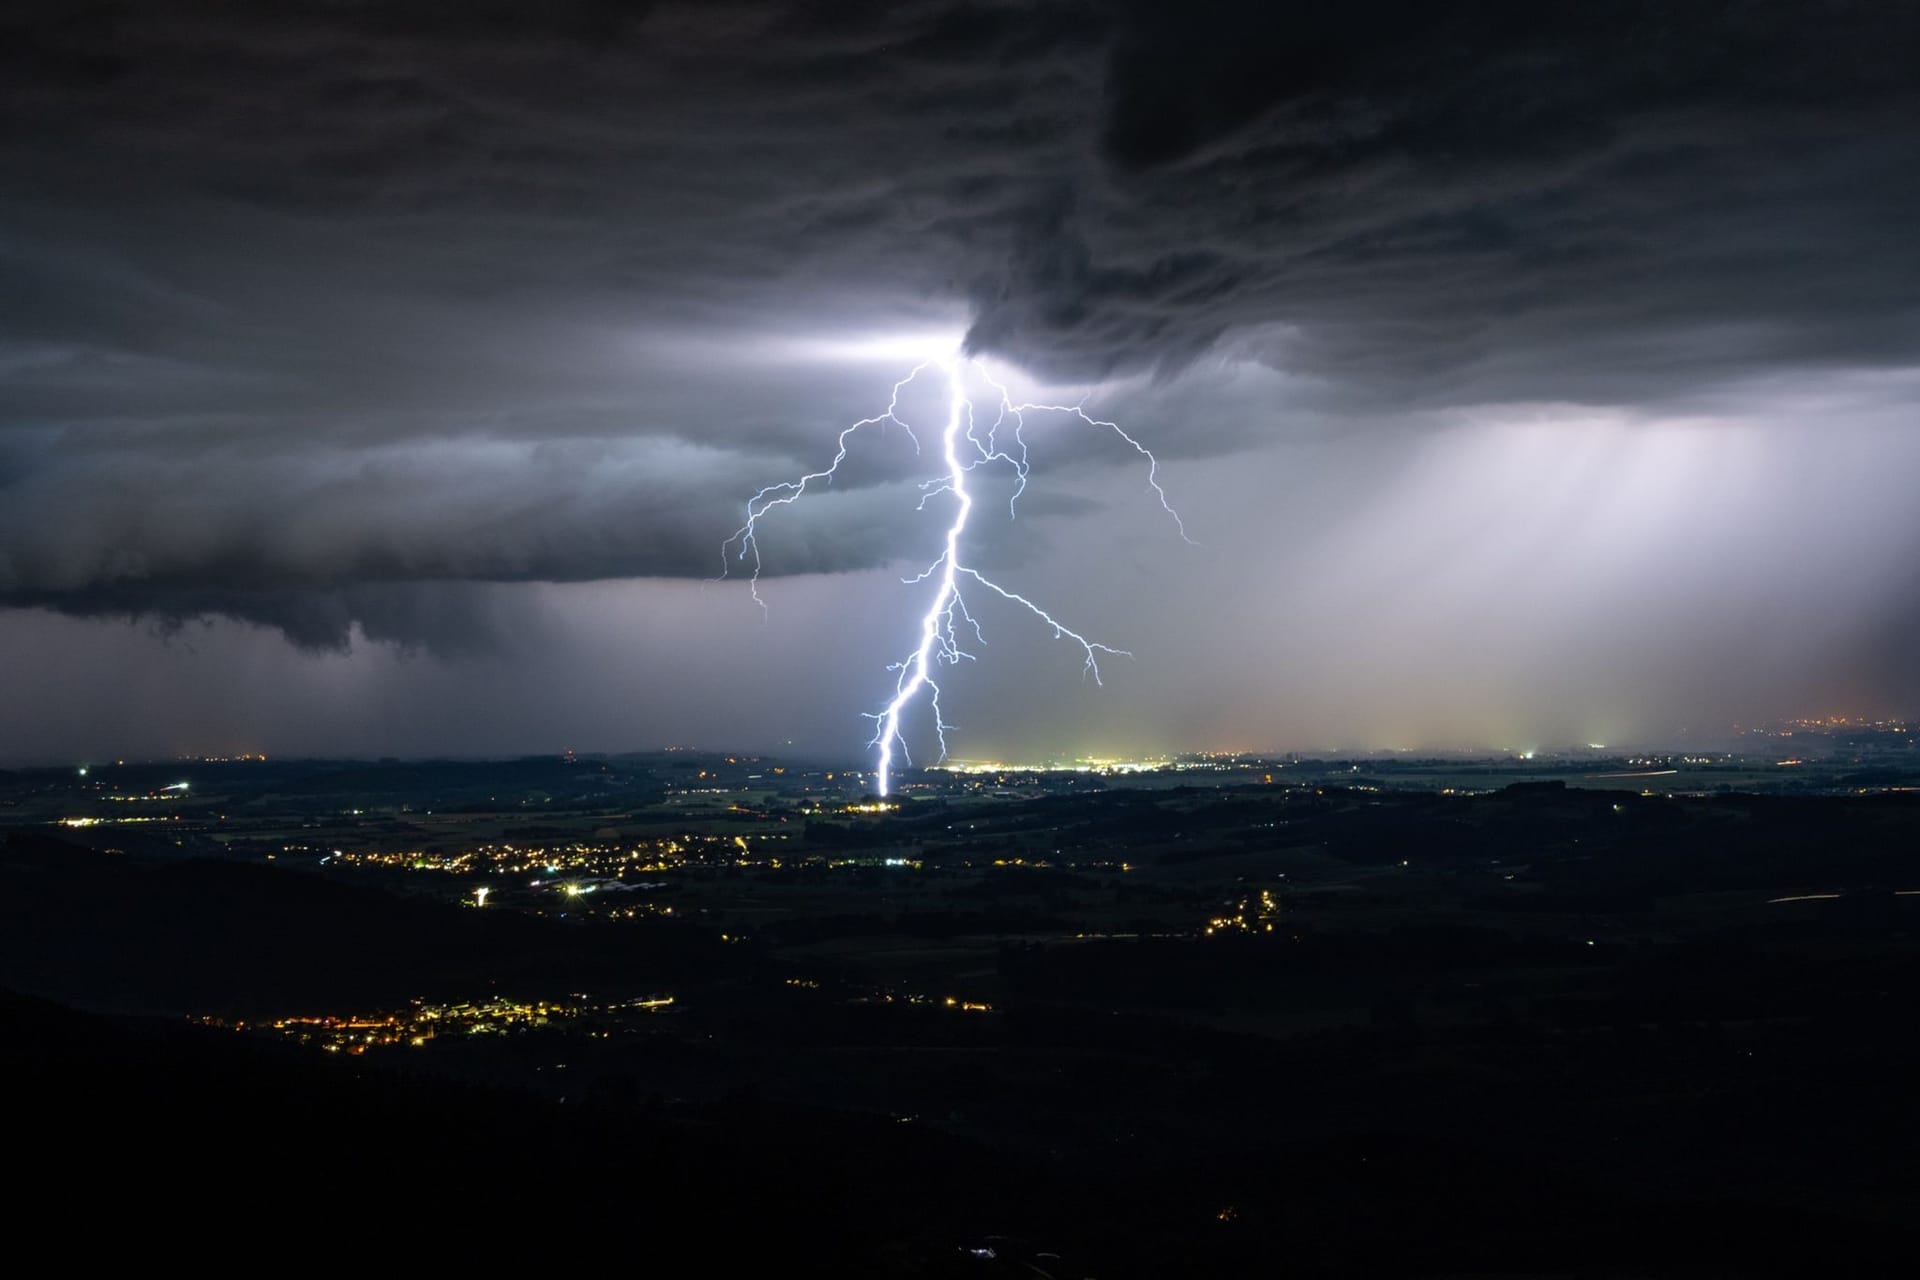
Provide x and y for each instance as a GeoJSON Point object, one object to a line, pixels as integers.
{"type": "Point", "coordinates": [1084, 764]}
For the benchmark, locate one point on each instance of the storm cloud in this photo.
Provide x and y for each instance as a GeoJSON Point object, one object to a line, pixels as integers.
{"type": "Point", "coordinates": [331, 317]}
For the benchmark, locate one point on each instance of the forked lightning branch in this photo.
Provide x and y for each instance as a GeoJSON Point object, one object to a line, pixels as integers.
{"type": "Point", "coordinates": [967, 444]}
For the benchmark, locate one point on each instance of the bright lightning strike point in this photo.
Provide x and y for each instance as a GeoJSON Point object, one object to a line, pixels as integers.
{"type": "Point", "coordinates": [963, 449]}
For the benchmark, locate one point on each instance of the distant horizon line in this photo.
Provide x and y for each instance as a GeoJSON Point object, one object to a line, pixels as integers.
{"type": "Point", "coordinates": [1785, 726]}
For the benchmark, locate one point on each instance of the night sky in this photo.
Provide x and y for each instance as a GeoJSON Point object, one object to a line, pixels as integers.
{"type": "Point", "coordinates": [383, 378]}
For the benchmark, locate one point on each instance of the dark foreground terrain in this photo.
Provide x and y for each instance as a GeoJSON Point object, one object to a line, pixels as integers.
{"type": "Point", "coordinates": [1235, 1031]}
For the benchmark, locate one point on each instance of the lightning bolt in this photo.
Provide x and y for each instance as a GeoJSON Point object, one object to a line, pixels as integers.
{"type": "Point", "coordinates": [965, 446]}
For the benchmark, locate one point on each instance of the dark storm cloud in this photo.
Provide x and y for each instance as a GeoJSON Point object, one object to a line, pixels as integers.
{"type": "Point", "coordinates": [317, 312]}
{"type": "Point", "coordinates": [1491, 200]}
